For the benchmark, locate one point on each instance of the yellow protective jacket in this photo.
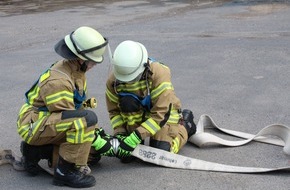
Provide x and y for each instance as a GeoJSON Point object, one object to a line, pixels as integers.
{"type": "Point", "coordinates": [52, 94]}
{"type": "Point", "coordinates": [165, 105]}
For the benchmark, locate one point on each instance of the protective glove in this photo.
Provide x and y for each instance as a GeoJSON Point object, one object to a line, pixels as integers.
{"type": "Point", "coordinates": [120, 137]}
{"type": "Point", "coordinates": [128, 144]}
{"type": "Point", "coordinates": [101, 132]}
{"type": "Point", "coordinates": [102, 144]}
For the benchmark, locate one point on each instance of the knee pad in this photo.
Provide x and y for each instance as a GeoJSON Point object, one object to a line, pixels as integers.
{"type": "Point", "coordinates": [91, 118]}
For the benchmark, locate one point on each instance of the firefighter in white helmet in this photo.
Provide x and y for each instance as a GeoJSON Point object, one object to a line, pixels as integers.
{"type": "Point", "coordinates": [55, 115]}
{"type": "Point", "coordinates": [142, 103]}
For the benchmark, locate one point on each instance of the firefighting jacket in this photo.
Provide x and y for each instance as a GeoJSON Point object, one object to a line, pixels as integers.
{"type": "Point", "coordinates": [55, 91]}
{"type": "Point", "coordinates": [165, 106]}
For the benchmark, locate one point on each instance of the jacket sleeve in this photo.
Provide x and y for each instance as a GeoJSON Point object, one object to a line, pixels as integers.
{"type": "Point", "coordinates": [58, 95]}
{"type": "Point", "coordinates": [165, 104]}
{"type": "Point", "coordinates": [112, 102]}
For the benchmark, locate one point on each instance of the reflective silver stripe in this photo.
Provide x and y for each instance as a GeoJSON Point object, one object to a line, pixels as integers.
{"type": "Point", "coordinates": [33, 129]}
{"type": "Point", "coordinates": [151, 126]}
{"type": "Point", "coordinates": [174, 117]}
{"type": "Point", "coordinates": [111, 96]}
{"type": "Point", "coordinates": [140, 85]}
{"type": "Point", "coordinates": [161, 88]}
{"type": "Point", "coordinates": [116, 121]}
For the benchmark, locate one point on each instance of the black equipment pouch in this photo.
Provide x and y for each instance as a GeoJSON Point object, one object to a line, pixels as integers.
{"type": "Point", "coordinates": [129, 104]}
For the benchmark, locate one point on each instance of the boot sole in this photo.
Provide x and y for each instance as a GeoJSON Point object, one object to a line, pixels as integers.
{"type": "Point", "coordinates": [63, 183]}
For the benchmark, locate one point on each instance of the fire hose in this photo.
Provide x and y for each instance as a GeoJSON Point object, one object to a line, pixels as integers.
{"type": "Point", "coordinates": [203, 139]}
{"type": "Point", "coordinates": [200, 139]}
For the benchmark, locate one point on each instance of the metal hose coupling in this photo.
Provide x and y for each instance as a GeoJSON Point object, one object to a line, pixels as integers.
{"type": "Point", "coordinates": [115, 144]}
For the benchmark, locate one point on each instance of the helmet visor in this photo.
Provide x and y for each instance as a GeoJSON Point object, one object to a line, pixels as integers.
{"type": "Point", "coordinates": [62, 49]}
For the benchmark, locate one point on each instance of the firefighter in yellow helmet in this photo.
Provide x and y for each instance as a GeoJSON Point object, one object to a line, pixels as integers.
{"type": "Point", "coordinates": [142, 103]}
{"type": "Point", "coordinates": [54, 113]}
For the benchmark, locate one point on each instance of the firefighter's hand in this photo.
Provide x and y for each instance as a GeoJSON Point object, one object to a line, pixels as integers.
{"type": "Point", "coordinates": [102, 144]}
{"type": "Point", "coordinates": [128, 144]}
{"type": "Point", "coordinates": [120, 137]}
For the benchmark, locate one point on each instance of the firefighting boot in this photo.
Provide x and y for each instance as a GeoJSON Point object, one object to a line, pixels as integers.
{"type": "Point", "coordinates": [33, 154]}
{"type": "Point", "coordinates": [188, 122]}
{"type": "Point", "coordinates": [94, 159]}
{"type": "Point", "coordinates": [67, 174]}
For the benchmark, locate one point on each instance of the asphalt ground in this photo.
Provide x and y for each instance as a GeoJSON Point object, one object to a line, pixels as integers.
{"type": "Point", "coordinates": [229, 60]}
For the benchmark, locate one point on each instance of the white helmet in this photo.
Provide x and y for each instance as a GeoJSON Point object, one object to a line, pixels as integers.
{"type": "Point", "coordinates": [85, 43]}
{"type": "Point", "coordinates": [128, 60]}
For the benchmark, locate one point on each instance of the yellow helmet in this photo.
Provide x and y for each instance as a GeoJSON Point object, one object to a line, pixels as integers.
{"type": "Point", "coordinates": [128, 60]}
{"type": "Point", "coordinates": [85, 43]}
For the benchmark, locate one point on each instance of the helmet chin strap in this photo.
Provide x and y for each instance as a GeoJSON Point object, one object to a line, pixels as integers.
{"type": "Point", "coordinates": [84, 66]}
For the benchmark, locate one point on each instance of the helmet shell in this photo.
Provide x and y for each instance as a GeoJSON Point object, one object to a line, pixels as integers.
{"type": "Point", "coordinates": [85, 38]}
{"type": "Point", "coordinates": [128, 60]}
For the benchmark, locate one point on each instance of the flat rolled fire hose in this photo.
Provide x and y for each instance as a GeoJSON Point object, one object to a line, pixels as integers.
{"type": "Point", "coordinates": [202, 139]}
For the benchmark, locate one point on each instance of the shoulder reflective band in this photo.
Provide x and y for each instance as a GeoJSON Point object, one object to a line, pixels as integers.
{"type": "Point", "coordinates": [201, 138]}
{"type": "Point", "coordinates": [34, 90]}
